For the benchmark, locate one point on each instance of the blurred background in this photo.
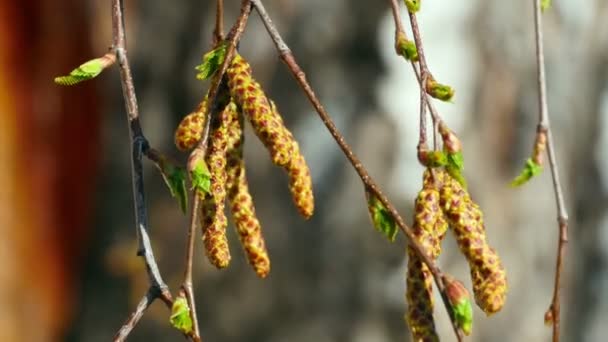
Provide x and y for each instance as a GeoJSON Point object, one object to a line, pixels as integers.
{"type": "Point", "coordinates": [68, 270]}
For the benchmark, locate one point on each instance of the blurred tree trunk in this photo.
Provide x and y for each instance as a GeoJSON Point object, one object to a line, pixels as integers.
{"type": "Point", "coordinates": [48, 150]}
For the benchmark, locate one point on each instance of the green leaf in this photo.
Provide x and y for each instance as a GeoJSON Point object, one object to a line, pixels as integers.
{"type": "Point", "coordinates": [545, 5]}
{"type": "Point", "coordinates": [84, 72]}
{"type": "Point", "coordinates": [455, 167]}
{"type": "Point", "coordinates": [175, 179]}
{"type": "Point", "coordinates": [180, 316]}
{"type": "Point", "coordinates": [201, 178]}
{"type": "Point", "coordinates": [412, 5]}
{"type": "Point", "coordinates": [530, 170]}
{"type": "Point", "coordinates": [463, 313]}
{"type": "Point", "coordinates": [460, 300]}
{"type": "Point", "coordinates": [457, 160]}
{"type": "Point", "coordinates": [381, 217]}
{"type": "Point", "coordinates": [212, 60]}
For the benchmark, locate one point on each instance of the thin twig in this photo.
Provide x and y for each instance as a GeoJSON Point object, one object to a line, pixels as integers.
{"type": "Point", "coordinates": [132, 321]}
{"type": "Point", "coordinates": [218, 33]}
{"type": "Point", "coordinates": [370, 185]}
{"type": "Point", "coordinates": [187, 288]}
{"type": "Point", "coordinates": [544, 125]}
{"type": "Point", "coordinates": [400, 32]}
{"type": "Point", "coordinates": [139, 146]}
{"type": "Point", "coordinates": [234, 37]}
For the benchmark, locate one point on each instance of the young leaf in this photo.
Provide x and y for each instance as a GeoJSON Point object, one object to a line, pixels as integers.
{"type": "Point", "coordinates": [180, 316]}
{"type": "Point", "coordinates": [461, 304]}
{"type": "Point", "coordinates": [412, 5]}
{"type": "Point", "coordinates": [212, 60]}
{"type": "Point", "coordinates": [84, 72]}
{"type": "Point", "coordinates": [175, 178]}
{"type": "Point", "coordinates": [381, 217]}
{"type": "Point", "coordinates": [455, 166]}
{"type": "Point", "coordinates": [545, 5]}
{"type": "Point", "coordinates": [530, 170]}
{"type": "Point", "coordinates": [201, 178]}
{"type": "Point", "coordinates": [407, 48]}
{"type": "Point", "coordinates": [435, 159]}
{"type": "Point", "coordinates": [439, 91]}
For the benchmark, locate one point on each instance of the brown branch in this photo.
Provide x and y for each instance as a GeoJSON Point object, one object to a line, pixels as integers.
{"type": "Point", "coordinates": [400, 32]}
{"type": "Point", "coordinates": [553, 312]}
{"type": "Point", "coordinates": [187, 288]}
{"type": "Point", "coordinates": [369, 183]}
{"type": "Point", "coordinates": [233, 39]}
{"type": "Point", "coordinates": [218, 33]}
{"type": "Point", "coordinates": [139, 146]}
{"type": "Point", "coordinates": [143, 305]}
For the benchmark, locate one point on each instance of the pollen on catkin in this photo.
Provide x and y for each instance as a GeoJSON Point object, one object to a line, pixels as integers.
{"type": "Point", "coordinates": [300, 183]}
{"type": "Point", "coordinates": [190, 129]}
{"type": "Point", "coordinates": [267, 124]}
{"type": "Point", "coordinates": [466, 220]}
{"type": "Point", "coordinates": [213, 218]}
{"type": "Point", "coordinates": [429, 229]}
{"type": "Point", "coordinates": [241, 203]}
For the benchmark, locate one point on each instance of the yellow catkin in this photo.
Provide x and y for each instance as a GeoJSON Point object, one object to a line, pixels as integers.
{"type": "Point", "coordinates": [190, 129]}
{"type": "Point", "coordinates": [429, 228]}
{"type": "Point", "coordinates": [213, 218]}
{"type": "Point", "coordinates": [241, 204]}
{"type": "Point", "coordinates": [466, 220]}
{"type": "Point", "coordinates": [267, 124]}
{"type": "Point", "coordinates": [300, 184]}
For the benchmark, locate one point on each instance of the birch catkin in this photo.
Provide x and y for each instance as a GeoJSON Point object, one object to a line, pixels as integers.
{"type": "Point", "coordinates": [241, 203]}
{"type": "Point", "coordinates": [429, 228]}
{"type": "Point", "coordinates": [267, 124]}
{"type": "Point", "coordinates": [213, 218]}
{"type": "Point", "coordinates": [466, 220]}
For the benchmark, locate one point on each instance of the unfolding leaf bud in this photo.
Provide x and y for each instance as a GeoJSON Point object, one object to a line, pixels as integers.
{"type": "Point", "coordinates": [540, 145]}
{"type": "Point", "coordinates": [451, 143]}
{"type": "Point", "coordinates": [431, 158]}
{"type": "Point", "coordinates": [461, 303]}
{"type": "Point", "coordinates": [413, 6]}
{"type": "Point", "coordinates": [549, 317]}
{"type": "Point", "coordinates": [406, 48]}
{"type": "Point", "coordinates": [439, 91]}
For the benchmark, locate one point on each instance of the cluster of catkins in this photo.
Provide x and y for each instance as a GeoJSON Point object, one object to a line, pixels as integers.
{"type": "Point", "coordinates": [444, 202]}
{"type": "Point", "coordinates": [244, 98]}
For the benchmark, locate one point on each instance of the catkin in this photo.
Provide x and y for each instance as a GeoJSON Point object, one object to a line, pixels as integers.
{"type": "Point", "coordinates": [241, 204]}
{"type": "Point", "coordinates": [466, 220]}
{"type": "Point", "coordinates": [190, 129]}
{"type": "Point", "coordinates": [213, 218]}
{"type": "Point", "coordinates": [267, 124]}
{"type": "Point", "coordinates": [429, 228]}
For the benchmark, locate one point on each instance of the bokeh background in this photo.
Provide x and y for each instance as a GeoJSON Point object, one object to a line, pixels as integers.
{"type": "Point", "coordinates": [68, 270]}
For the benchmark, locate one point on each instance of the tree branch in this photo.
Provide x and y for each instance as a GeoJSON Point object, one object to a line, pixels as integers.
{"type": "Point", "coordinates": [553, 314]}
{"type": "Point", "coordinates": [187, 289]}
{"type": "Point", "coordinates": [139, 146]}
{"type": "Point", "coordinates": [400, 32]}
{"type": "Point", "coordinates": [370, 185]}
{"type": "Point", "coordinates": [218, 33]}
